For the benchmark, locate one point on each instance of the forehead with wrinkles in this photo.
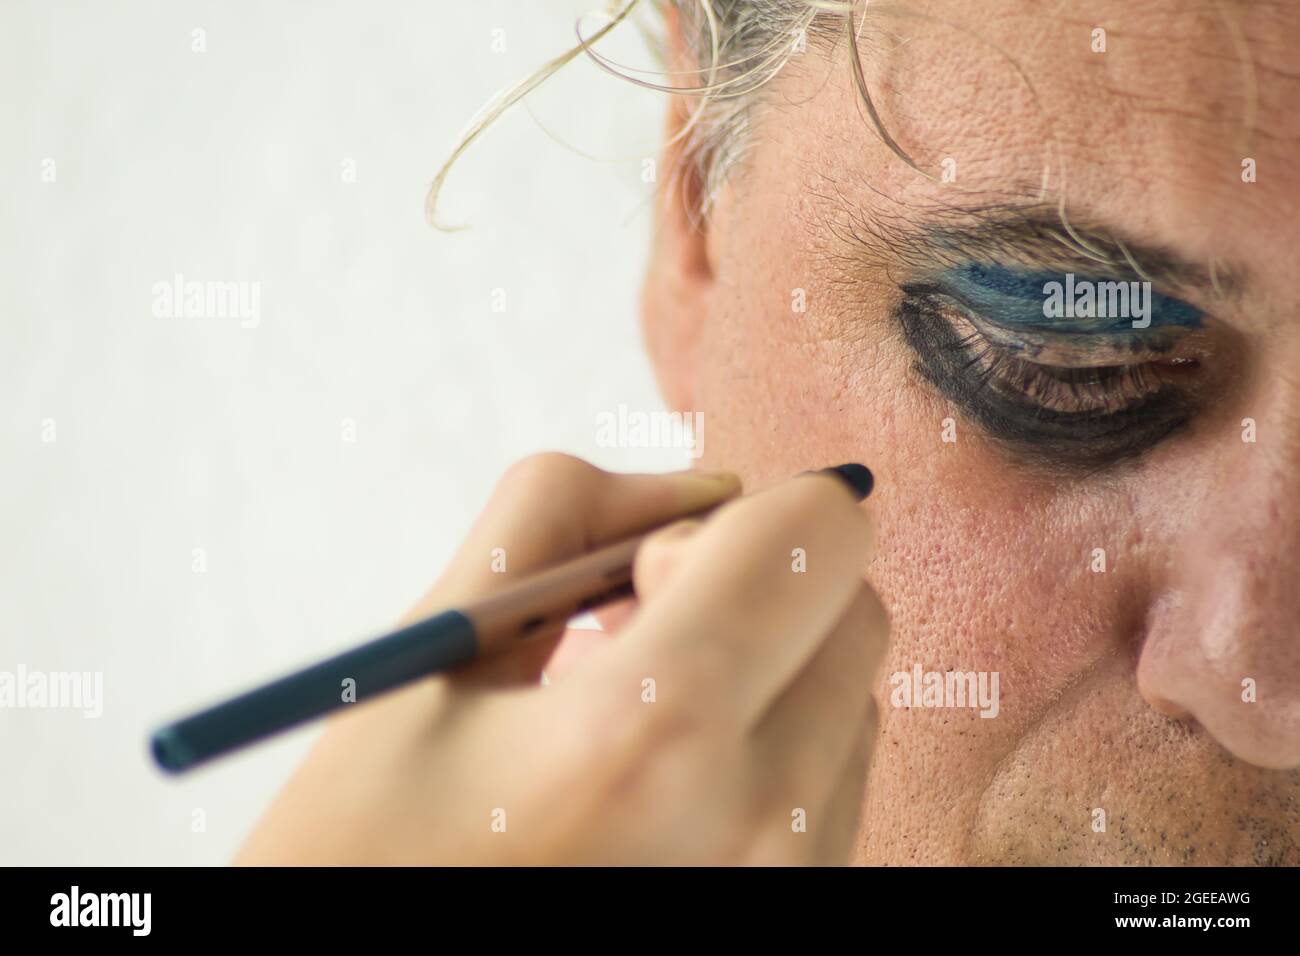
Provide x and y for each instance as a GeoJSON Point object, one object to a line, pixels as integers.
{"type": "Point", "coordinates": [1139, 114]}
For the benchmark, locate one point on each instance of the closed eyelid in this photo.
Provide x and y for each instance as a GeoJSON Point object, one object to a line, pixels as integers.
{"type": "Point", "coordinates": [1059, 440]}
{"type": "Point", "coordinates": [1052, 302]}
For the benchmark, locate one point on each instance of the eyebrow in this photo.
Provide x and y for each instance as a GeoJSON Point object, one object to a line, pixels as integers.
{"type": "Point", "coordinates": [1039, 237]}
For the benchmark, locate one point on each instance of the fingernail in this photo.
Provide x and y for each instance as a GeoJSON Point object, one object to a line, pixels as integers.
{"type": "Point", "coordinates": [727, 479]}
{"type": "Point", "coordinates": [704, 488]}
{"type": "Point", "coordinates": [858, 478]}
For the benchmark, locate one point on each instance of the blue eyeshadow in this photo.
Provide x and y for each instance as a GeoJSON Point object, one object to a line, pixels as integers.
{"type": "Point", "coordinates": [1015, 298]}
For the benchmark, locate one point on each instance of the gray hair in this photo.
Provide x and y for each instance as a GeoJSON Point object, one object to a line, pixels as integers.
{"type": "Point", "coordinates": [737, 46]}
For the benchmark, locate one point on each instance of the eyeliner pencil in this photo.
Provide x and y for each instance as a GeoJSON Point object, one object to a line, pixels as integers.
{"type": "Point", "coordinates": [488, 626]}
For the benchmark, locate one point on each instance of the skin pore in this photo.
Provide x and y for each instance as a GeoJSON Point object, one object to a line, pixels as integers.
{"type": "Point", "coordinates": [1121, 690]}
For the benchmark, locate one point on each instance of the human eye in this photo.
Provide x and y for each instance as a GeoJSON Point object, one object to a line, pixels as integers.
{"type": "Point", "coordinates": [1073, 386]}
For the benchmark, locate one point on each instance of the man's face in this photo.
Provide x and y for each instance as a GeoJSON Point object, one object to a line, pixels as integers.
{"type": "Point", "coordinates": [1106, 514]}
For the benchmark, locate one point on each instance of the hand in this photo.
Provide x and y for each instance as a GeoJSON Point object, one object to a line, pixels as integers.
{"type": "Point", "coordinates": [733, 705]}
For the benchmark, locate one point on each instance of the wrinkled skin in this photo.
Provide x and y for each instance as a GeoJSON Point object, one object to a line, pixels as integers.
{"type": "Point", "coordinates": [1122, 690]}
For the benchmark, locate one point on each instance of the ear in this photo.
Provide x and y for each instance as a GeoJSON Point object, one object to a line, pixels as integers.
{"type": "Point", "coordinates": [676, 295]}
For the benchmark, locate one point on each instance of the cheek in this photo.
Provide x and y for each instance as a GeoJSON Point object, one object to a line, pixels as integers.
{"type": "Point", "coordinates": [984, 567]}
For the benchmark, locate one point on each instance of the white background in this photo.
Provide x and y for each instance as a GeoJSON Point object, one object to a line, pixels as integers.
{"type": "Point", "coordinates": [173, 434]}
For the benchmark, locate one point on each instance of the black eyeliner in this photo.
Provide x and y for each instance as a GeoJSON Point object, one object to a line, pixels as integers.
{"type": "Point", "coordinates": [1076, 440]}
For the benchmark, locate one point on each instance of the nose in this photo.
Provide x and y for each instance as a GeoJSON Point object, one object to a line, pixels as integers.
{"type": "Point", "coordinates": [1223, 642]}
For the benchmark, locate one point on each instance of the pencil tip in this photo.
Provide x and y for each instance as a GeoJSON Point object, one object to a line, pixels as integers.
{"type": "Point", "coordinates": [857, 477]}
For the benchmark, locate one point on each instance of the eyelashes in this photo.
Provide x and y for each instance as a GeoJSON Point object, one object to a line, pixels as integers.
{"type": "Point", "coordinates": [1066, 377]}
{"type": "Point", "coordinates": [1074, 404]}
{"type": "Point", "coordinates": [1093, 390]}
